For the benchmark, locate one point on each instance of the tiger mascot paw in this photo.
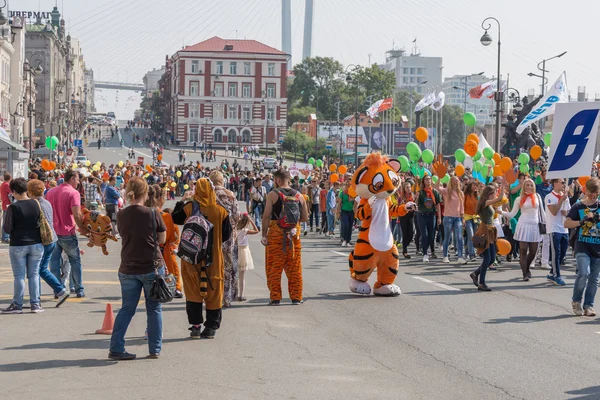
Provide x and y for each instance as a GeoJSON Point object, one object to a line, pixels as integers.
{"type": "Point", "coordinates": [387, 290]}
{"type": "Point", "coordinates": [360, 287]}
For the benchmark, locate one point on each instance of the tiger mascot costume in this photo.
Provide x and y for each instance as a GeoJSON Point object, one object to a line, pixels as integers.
{"type": "Point", "coordinates": [99, 227]}
{"type": "Point", "coordinates": [375, 181]}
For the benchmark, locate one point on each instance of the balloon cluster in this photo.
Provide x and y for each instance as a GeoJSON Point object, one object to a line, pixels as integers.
{"type": "Point", "coordinates": [51, 142]}
{"type": "Point", "coordinates": [317, 163]}
{"type": "Point", "coordinates": [336, 172]}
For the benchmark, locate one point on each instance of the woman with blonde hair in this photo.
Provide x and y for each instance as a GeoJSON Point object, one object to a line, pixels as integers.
{"type": "Point", "coordinates": [527, 232]}
{"type": "Point", "coordinates": [454, 210]}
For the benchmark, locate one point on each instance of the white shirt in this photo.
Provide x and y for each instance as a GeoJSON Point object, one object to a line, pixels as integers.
{"type": "Point", "coordinates": [555, 223]}
{"type": "Point", "coordinates": [242, 237]}
{"type": "Point", "coordinates": [529, 213]}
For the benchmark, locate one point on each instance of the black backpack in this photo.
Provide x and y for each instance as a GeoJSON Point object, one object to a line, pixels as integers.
{"type": "Point", "coordinates": [195, 244]}
{"type": "Point", "coordinates": [290, 210]}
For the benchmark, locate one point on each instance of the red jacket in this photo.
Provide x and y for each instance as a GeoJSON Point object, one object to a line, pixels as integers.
{"type": "Point", "coordinates": [4, 192]}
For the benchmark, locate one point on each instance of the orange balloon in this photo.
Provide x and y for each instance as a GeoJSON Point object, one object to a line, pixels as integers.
{"type": "Point", "coordinates": [535, 152]}
{"type": "Point", "coordinates": [498, 171]}
{"type": "Point", "coordinates": [583, 180]}
{"type": "Point", "coordinates": [471, 147]}
{"type": "Point", "coordinates": [332, 168]}
{"type": "Point", "coordinates": [505, 164]}
{"type": "Point", "coordinates": [148, 168]}
{"type": "Point", "coordinates": [334, 178]}
{"type": "Point", "coordinates": [473, 137]}
{"type": "Point", "coordinates": [503, 247]}
{"type": "Point", "coordinates": [421, 134]}
{"type": "Point", "coordinates": [352, 191]}
{"type": "Point", "coordinates": [497, 158]}
{"type": "Point", "coordinates": [52, 165]}
{"type": "Point", "coordinates": [159, 157]}
{"type": "Point", "coordinates": [45, 164]}
{"type": "Point", "coordinates": [343, 169]}
{"type": "Point", "coordinates": [459, 170]}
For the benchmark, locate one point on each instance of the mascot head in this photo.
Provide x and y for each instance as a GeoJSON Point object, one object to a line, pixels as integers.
{"type": "Point", "coordinates": [376, 176]}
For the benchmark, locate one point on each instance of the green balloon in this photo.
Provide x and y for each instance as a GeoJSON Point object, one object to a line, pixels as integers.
{"type": "Point", "coordinates": [319, 163]}
{"type": "Point", "coordinates": [470, 119]}
{"type": "Point", "coordinates": [311, 161]}
{"type": "Point", "coordinates": [490, 162]}
{"type": "Point", "coordinates": [428, 156]}
{"type": "Point", "coordinates": [415, 157]}
{"type": "Point", "coordinates": [434, 179]}
{"type": "Point", "coordinates": [477, 165]}
{"type": "Point", "coordinates": [477, 155]}
{"type": "Point", "coordinates": [548, 138]}
{"type": "Point", "coordinates": [413, 149]}
{"type": "Point", "coordinates": [460, 155]}
{"type": "Point", "coordinates": [445, 179]}
{"type": "Point", "coordinates": [524, 158]}
{"type": "Point", "coordinates": [524, 168]}
{"type": "Point", "coordinates": [55, 140]}
{"type": "Point", "coordinates": [404, 163]}
{"type": "Point", "coordinates": [48, 142]}
{"type": "Point", "coordinates": [488, 153]}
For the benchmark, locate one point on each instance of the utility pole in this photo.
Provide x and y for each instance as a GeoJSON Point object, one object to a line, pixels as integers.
{"type": "Point", "coordinates": [339, 135]}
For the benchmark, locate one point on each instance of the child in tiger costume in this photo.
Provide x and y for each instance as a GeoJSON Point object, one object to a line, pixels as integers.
{"type": "Point", "coordinates": [375, 181]}
{"type": "Point", "coordinates": [100, 228]}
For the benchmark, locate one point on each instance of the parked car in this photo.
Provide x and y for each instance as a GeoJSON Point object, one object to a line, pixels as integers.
{"type": "Point", "coordinates": [81, 159]}
{"type": "Point", "coordinates": [268, 163]}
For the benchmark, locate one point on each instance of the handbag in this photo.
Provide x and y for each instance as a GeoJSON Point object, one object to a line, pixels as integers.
{"type": "Point", "coordinates": [162, 288]}
{"type": "Point", "coordinates": [541, 225]}
{"type": "Point", "coordinates": [45, 229]}
{"type": "Point", "coordinates": [478, 242]}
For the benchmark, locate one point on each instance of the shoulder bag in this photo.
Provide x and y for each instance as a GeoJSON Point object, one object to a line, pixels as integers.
{"type": "Point", "coordinates": [541, 225]}
{"type": "Point", "coordinates": [45, 229]}
{"type": "Point", "coordinates": [163, 288]}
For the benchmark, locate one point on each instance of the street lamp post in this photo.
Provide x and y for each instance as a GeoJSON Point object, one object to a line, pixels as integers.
{"type": "Point", "coordinates": [357, 113]}
{"type": "Point", "coordinates": [543, 69]}
{"type": "Point", "coordinates": [518, 106]}
{"type": "Point", "coordinates": [266, 100]}
{"type": "Point", "coordinates": [412, 102]}
{"type": "Point", "coordinates": [30, 109]}
{"type": "Point", "coordinates": [466, 91]}
{"type": "Point", "coordinates": [486, 40]}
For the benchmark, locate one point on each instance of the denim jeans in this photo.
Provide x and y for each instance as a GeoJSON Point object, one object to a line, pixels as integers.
{"type": "Point", "coordinates": [489, 256]}
{"type": "Point", "coordinates": [330, 221]}
{"type": "Point", "coordinates": [587, 279]}
{"type": "Point", "coordinates": [346, 221]}
{"type": "Point", "coordinates": [396, 230]}
{"type": "Point", "coordinates": [45, 273]}
{"type": "Point", "coordinates": [258, 211]}
{"type": "Point", "coordinates": [131, 289]}
{"type": "Point", "coordinates": [70, 245]}
{"type": "Point", "coordinates": [471, 227]}
{"type": "Point", "coordinates": [453, 224]}
{"type": "Point", "coordinates": [427, 227]}
{"type": "Point", "coordinates": [559, 244]}
{"type": "Point", "coordinates": [25, 260]}
{"type": "Point", "coordinates": [315, 213]}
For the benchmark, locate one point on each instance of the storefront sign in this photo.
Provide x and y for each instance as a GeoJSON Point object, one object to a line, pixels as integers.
{"type": "Point", "coordinates": [30, 14]}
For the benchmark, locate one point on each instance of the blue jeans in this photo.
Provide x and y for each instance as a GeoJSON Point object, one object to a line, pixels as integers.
{"type": "Point", "coordinates": [427, 227]}
{"type": "Point", "coordinates": [396, 230]}
{"type": "Point", "coordinates": [471, 228]}
{"type": "Point", "coordinates": [587, 279]}
{"type": "Point", "coordinates": [45, 274]}
{"type": "Point", "coordinates": [559, 244]}
{"type": "Point", "coordinates": [25, 260]}
{"type": "Point", "coordinates": [453, 224]}
{"type": "Point", "coordinates": [258, 211]}
{"type": "Point", "coordinates": [70, 245]}
{"type": "Point", "coordinates": [131, 289]}
{"type": "Point", "coordinates": [489, 256]}
{"type": "Point", "coordinates": [316, 211]}
{"type": "Point", "coordinates": [330, 221]}
{"type": "Point", "coordinates": [346, 222]}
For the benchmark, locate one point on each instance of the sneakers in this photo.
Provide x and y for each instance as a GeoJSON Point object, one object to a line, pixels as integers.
{"type": "Point", "coordinates": [297, 302]}
{"type": "Point", "coordinates": [425, 258]}
{"type": "Point", "coordinates": [12, 309]}
{"type": "Point", "coordinates": [560, 281]}
{"type": "Point", "coordinates": [462, 260]}
{"type": "Point", "coordinates": [274, 302]}
{"type": "Point", "coordinates": [551, 278]}
{"type": "Point", "coordinates": [208, 333]}
{"type": "Point", "coordinates": [433, 256]}
{"type": "Point", "coordinates": [80, 295]}
{"type": "Point", "coordinates": [344, 244]}
{"type": "Point", "coordinates": [178, 294]}
{"type": "Point", "coordinates": [577, 310]}
{"type": "Point", "coordinates": [62, 297]}
{"type": "Point", "coordinates": [475, 278]}
{"type": "Point", "coordinates": [589, 312]}
{"type": "Point", "coordinates": [36, 308]}
{"type": "Point", "coordinates": [121, 356]}
{"type": "Point", "coordinates": [446, 260]}
{"type": "Point", "coordinates": [419, 253]}
{"type": "Point", "coordinates": [154, 356]}
{"type": "Point", "coordinates": [195, 332]}
{"type": "Point", "coordinates": [305, 232]}
{"type": "Point", "coordinates": [546, 266]}
{"type": "Point", "coordinates": [483, 288]}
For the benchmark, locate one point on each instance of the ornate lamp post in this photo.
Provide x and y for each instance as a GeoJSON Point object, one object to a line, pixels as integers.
{"type": "Point", "coordinates": [486, 40]}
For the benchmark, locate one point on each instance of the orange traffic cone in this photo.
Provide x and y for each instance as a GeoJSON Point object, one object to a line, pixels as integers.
{"type": "Point", "coordinates": [109, 321]}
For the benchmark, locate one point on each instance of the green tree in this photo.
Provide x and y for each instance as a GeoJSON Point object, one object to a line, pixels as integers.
{"type": "Point", "coordinates": [453, 129]}
{"type": "Point", "coordinates": [299, 114]}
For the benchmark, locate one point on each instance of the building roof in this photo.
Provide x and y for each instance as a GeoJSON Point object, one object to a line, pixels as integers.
{"type": "Point", "coordinates": [217, 45]}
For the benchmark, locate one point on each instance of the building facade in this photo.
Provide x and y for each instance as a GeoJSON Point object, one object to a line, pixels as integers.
{"type": "Point", "coordinates": [227, 92]}
{"type": "Point", "coordinates": [19, 84]}
{"type": "Point", "coordinates": [89, 90]}
{"type": "Point", "coordinates": [151, 79]}
{"type": "Point", "coordinates": [457, 93]}
{"type": "Point", "coordinates": [411, 70]}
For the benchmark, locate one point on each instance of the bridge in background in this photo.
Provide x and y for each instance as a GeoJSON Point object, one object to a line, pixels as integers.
{"type": "Point", "coordinates": [119, 86]}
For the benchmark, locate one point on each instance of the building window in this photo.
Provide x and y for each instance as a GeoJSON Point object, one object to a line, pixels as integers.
{"type": "Point", "coordinates": [232, 112]}
{"type": "Point", "coordinates": [193, 88]}
{"type": "Point", "coordinates": [193, 135]}
{"type": "Point", "coordinates": [218, 89]}
{"type": "Point", "coordinates": [231, 136]}
{"type": "Point", "coordinates": [232, 90]}
{"type": "Point", "coordinates": [419, 71]}
{"type": "Point", "coordinates": [247, 68]}
{"type": "Point", "coordinates": [419, 79]}
{"type": "Point", "coordinates": [219, 68]}
{"type": "Point", "coordinates": [271, 69]}
{"type": "Point", "coordinates": [271, 90]}
{"type": "Point", "coordinates": [271, 113]}
{"type": "Point", "coordinates": [412, 71]}
{"type": "Point", "coordinates": [412, 79]}
{"type": "Point", "coordinates": [194, 110]}
{"type": "Point", "coordinates": [246, 113]}
{"type": "Point", "coordinates": [195, 66]}
{"type": "Point", "coordinates": [218, 111]}
{"type": "Point", "coordinates": [405, 71]}
{"type": "Point", "coordinates": [246, 90]}
{"type": "Point", "coordinates": [246, 135]}
{"type": "Point", "coordinates": [218, 136]}
{"type": "Point", "coordinates": [233, 68]}
{"type": "Point", "coordinates": [404, 79]}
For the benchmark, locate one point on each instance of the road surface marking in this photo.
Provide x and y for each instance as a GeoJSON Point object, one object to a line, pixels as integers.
{"type": "Point", "coordinates": [340, 253]}
{"type": "Point", "coordinates": [440, 285]}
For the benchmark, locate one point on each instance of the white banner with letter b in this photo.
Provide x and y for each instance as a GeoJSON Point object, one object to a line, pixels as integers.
{"type": "Point", "coordinates": [573, 140]}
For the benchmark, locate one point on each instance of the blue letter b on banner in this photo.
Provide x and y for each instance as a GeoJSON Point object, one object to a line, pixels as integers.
{"type": "Point", "coordinates": [563, 161]}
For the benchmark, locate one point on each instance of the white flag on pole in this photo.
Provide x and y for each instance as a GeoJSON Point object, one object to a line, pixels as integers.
{"type": "Point", "coordinates": [439, 101]}
{"type": "Point", "coordinates": [425, 101]}
{"type": "Point", "coordinates": [558, 93]}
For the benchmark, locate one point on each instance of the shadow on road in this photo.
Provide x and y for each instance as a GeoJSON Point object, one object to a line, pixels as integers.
{"type": "Point", "coordinates": [589, 393]}
{"type": "Point", "coordinates": [100, 344]}
{"type": "Point", "coordinates": [49, 364]}
{"type": "Point", "coordinates": [527, 319]}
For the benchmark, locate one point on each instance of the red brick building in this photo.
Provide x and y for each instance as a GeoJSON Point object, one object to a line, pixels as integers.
{"type": "Point", "coordinates": [224, 91]}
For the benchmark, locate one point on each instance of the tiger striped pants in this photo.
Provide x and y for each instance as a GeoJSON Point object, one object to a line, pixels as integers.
{"type": "Point", "coordinates": [288, 260]}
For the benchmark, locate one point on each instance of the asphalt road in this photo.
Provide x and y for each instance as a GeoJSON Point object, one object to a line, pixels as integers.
{"type": "Point", "coordinates": [440, 339]}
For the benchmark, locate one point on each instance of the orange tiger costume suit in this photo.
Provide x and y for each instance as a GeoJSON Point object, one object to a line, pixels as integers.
{"type": "Point", "coordinates": [100, 229]}
{"type": "Point", "coordinates": [375, 181]}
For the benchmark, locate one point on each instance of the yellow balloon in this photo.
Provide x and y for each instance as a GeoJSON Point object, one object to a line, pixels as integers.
{"type": "Point", "coordinates": [186, 187]}
{"type": "Point", "coordinates": [173, 184]}
{"type": "Point", "coordinates": [178, 173]}
{"type": "Point", "coordinates": [87, 163]}
{"type": "Point", "coordinates": [96, 168]}
{"type": "Point", "coordinates": [121, 164]}
{"type": "Point", "coordinates": [146, 176]}
{"type": "Point", "coordinates": [74, 165]}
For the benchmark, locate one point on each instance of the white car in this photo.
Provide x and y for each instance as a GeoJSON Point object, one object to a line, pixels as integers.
{"type": "Point", "coordinates": [269, 163]}
{"type": "Point", "coordinates": [81, 159]}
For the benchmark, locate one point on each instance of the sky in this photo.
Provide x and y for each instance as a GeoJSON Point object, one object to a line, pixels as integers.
{"type": "Point", "coordinates": [123, 39]}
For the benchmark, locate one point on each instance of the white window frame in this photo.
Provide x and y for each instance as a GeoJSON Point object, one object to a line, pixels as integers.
{"type": "Point", "coordinates": [221, 134]}
{"type": "Point", "coordinates": [233, 68]}
{"type": "Point", "coordinates": [196, 64]}
{"type": "Point", "coordinates": [248, 132]}
{"type": "Point", "coordinates": [246, 113]}
{"type": "Point", "coordinates": [219, 88]}
{"type": "Point", "coordinates": [232, 111]}
{"type": "Point", "coordinates": [271, 69]}
{"type": "Point", "coordinates": [245, 86]}
{"type": "Point", "coordinates": [271, 113]}
{"type": "Point", "coordinates": [247, 68]}
{"type": "Point", "coordinates": [232, 85]}
{"type": "Point", "coordinates": [194, 110]}
{"type": "Point", "coordinates": [194, 84]}
{"type": "Point", "coordinates": [219, 67]}
{"type": "Point", "coordinates": [218, 111]}
{"type": "Point", "coordinates": [271, 90]}
{"type": "Point", "coordinates": [193, 137]}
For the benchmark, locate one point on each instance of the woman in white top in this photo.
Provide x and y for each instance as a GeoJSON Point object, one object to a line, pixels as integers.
{"type": "Point", "coordinates": [527, 232]}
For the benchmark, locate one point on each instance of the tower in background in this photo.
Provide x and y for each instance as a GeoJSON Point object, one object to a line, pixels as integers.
{"type": "Point", "coordinates": [308, 29]}
{"type": "Point", "coordinates": [286, 29]}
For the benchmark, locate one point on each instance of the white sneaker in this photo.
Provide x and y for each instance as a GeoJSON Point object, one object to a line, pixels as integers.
{"type": "Point", "coordinates": [462, 261]}
{"type": "Point", "coordinates": [446, 260]}
{"type": "Point", "coordinates": [344, 244]}
{"type": "Point", "coordinates": [546, 266]}
{"type": "Point", "coordinates": [425, 258]}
